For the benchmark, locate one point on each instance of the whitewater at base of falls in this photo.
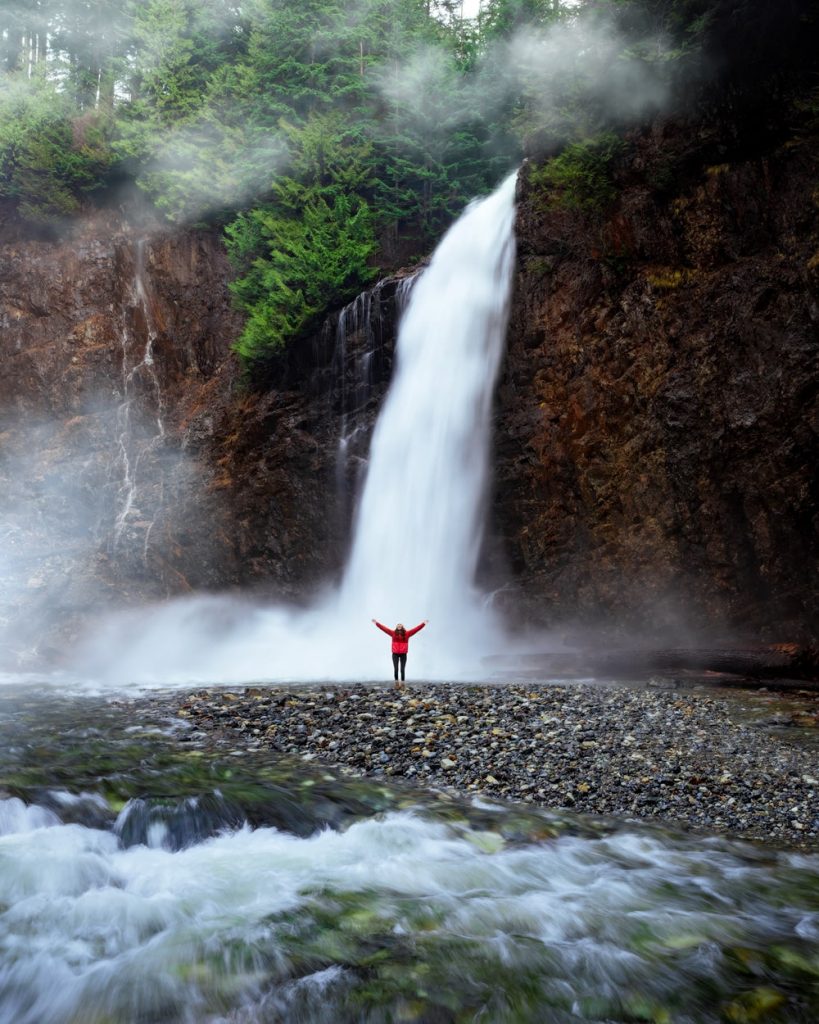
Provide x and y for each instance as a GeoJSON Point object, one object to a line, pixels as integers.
{"type": "Point", "coordinates": [420, 521]}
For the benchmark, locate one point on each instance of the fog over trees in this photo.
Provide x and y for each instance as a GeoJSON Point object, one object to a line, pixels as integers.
{"type": "Point", "coordinates": [333, 141]}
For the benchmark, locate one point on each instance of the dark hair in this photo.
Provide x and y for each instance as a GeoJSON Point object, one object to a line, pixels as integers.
{"type": "Point", "coordinates": [400, 631]}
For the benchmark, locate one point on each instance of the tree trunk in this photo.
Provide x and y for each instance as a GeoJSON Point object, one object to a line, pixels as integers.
{"type": "Point", "coordinates": [106, 90]}
{"type": "Point", "coordinates": [14, 49]}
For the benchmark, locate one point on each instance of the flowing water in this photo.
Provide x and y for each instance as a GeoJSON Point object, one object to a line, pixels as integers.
{"type": "Point", "coordinates": [420, 524]}
{"type": "Point", "coordinates": [136, 436]}
{"type": "Point", "coordinates": [152, 875]}
{"type": "Point", "coordinates": [146, 878]}
{"type": "Point", "coordinates": [419, 528]}
{"type": "Point", "coordinates": [361, 326]}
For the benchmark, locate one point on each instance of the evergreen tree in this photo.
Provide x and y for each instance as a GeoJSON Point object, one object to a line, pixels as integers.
{"type": "Point", "coordinates": [329, 137]}
{"type": "Point", "coordinates": [49, 157]}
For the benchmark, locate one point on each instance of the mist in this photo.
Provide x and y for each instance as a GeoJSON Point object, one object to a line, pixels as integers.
{"type": "Point", "coordinates": [220, 146]}
{"type": "Point", "coordinates": [86, 504]}
{"type": "Point", "coordinates": [420, 522]}
{"type": "Point", "coordinates": [541, 77]}
{"type": "Point", "coordinates": [94, 483]}
{"type": "Point", "coordinates": [208, 169]}
{"type": "Point", "coordinates": [210, 163]}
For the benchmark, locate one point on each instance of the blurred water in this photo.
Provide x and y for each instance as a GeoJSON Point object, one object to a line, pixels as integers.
{"type": "Point", "coordinates": [421, 515]}
{"type": "Point", "coordinates": [420, 523]}
{"type": "Point", "coordinates": [143, 879]}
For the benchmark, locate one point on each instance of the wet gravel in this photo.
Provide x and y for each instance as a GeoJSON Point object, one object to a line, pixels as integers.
{"type": "Point", "coordinates": [685, 758]}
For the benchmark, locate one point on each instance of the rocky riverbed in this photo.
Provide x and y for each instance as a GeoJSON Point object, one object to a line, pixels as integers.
{"type": "Point", "coordinates": [690, 758]}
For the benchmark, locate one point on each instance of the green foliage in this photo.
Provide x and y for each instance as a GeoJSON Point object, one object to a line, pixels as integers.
{"type": "Point", "coordinates": [431, 146]}
{"type": "Point", "coordinates": [501, 18]}
{"type": "Point", "coordinates": [49, 155]}
{"type": "Point", "coordinates": [373, 133]}
{"type": "Point", "coordinates": [580, 178]}
{"type": "Point", "coordinates": [332, 137]}
{"type": "Point", "coordinates": [310, 247]}
{"type": "Point", "coordinates": [296, 267]}
{"type": "Point", "coordinates": [182, 132]}
{"type": "Point", "coordinates": [669, 278]}
{"type": "Point", "coordinates": [205, 169]}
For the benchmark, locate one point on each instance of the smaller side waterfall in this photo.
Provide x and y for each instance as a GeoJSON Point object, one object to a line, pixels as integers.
{"type": "Point", "coordinates": [136, 435]}
{"type": "Point", "coordinates": [358, 357]}
{"type": "Point", "coordinates": [360, 371]}
{"type": "Point", "coordinates": [359, 320]}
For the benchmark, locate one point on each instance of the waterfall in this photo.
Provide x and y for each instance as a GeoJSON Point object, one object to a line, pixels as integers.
{"type": "Point", "coordinates": [420, 523]}
{"type": "Point", "coordinates": [358, 356]}
{"type": "Point", "coordinates": [419, 527]}
{"type": "Point", "coordinates": [359, 320]}
{"type": "Point", "coordinates": [136, 440]}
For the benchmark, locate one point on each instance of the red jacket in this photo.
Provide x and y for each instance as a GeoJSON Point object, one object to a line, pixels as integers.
{"type": "Point", "coordinates": [400, 646]}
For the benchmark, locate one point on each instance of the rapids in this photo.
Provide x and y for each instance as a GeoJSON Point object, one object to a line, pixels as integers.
{"type": "Point", "coordinates": [146, 878]}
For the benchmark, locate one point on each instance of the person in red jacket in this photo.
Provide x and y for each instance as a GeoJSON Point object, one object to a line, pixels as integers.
{"type": "Point", "coordinates": [400, 644]}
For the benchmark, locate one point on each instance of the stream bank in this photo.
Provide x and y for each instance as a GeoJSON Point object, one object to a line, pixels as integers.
{"type": "Point", "coordinates": [695, 758]}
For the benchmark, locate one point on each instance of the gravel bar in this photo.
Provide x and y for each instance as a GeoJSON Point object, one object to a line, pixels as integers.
{"type": "Point", "coordinates": [684, 758]}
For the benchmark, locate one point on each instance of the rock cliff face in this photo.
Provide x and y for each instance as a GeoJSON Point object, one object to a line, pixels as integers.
{"type": "Point", "coordinates": [134, 464]}
{"type": "Point", "coordinates": [104, 331]}
{"type": "Point", "coordinates": [658, 418]}
{"type": "Point", "coordinates": [655, 431]}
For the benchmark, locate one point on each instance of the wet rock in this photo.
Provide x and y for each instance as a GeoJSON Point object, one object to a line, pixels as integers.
{"type": "Point", "coordinates": [685, 758]}
{"type": "Point", "coordinates": [654, 440]}
{"type": "Point", "coordinates": [124, 330]}
{"type": "Point", "coordinates": [176, 824]}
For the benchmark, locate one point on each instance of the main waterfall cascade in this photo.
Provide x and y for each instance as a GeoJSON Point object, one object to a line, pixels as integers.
{"type": "Point", "coordinates": [420, 523]}
{"type": "Point", "coordinates": [419, 526]}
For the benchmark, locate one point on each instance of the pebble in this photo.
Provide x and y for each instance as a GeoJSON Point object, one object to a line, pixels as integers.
{"type": "Point", "coordinates": [685, 758]}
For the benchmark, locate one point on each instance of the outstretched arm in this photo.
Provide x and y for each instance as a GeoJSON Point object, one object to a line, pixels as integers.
{"type": "Point", "coordinates": [383, 629]}
{"type": "Point", "coordinates": [417, 629]}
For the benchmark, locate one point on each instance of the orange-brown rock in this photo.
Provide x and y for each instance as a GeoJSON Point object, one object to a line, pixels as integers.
{"type": "Point", "coordinates": [657, 419]}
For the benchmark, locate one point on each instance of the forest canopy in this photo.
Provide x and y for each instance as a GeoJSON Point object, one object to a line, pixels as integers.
{"type": "Point", "coordinates": [331, 140]}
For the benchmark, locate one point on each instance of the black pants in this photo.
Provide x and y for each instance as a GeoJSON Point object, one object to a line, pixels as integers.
{"type": "Point", "coordinates": [399, 659]}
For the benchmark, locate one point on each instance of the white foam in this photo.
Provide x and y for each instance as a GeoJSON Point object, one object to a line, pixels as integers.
{"type": "Point", "coordinates": [420, 525]}
{"type": "Point", "coordinates": [93, 927]}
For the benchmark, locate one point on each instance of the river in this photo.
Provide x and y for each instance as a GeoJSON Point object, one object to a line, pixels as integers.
{"type": "Point", "coordinates": [146, 876]}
